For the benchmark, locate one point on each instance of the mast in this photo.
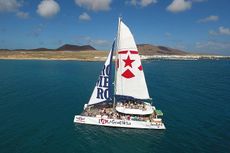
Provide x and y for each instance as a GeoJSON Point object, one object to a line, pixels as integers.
{"type": "Point", "coordinates": [115, 73]}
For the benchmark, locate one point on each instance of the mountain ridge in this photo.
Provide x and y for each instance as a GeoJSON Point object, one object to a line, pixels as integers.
{"type": "Point", "coordinates": [69, 47]}
{"type": "Point", "coordinates": [147, 49]}
{"type": "Point", "coordinates": [144, 49]}
{"type": "Point", "coordinates": [65, 47]}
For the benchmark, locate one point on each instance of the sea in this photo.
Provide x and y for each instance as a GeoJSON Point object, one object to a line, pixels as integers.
{"type": "Point", "coordinates": [39, 98]}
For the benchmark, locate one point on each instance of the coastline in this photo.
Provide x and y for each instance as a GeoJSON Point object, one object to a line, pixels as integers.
{"type": "Point", "coordinates": [93, 56]}
{"type": "Point", "coordinates": [54, 55]}
{"type": "Point", "coordinates": [186, 57]}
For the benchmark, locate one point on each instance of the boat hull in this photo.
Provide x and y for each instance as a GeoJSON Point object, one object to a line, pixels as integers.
{"type": "Point", "coordinates": [117, 123]}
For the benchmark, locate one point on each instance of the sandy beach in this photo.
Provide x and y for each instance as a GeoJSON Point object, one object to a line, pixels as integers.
{"type": "Point", "coordinates": [54, 55]}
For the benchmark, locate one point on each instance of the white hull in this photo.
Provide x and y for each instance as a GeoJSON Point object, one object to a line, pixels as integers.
{"type": "Point", "coordinates": [117, 123]}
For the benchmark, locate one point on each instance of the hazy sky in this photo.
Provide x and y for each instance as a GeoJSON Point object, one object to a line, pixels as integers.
{"type": "Point", "coordinates": [192, 25]}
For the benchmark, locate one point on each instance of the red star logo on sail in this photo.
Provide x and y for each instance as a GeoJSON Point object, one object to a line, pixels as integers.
{"type": "Point", "coordinates": [128, 62]}
{"type": "Point", "coordinates": [128, 74]}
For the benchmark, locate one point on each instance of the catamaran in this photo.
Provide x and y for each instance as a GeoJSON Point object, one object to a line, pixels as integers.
{"type": "Point", "coordinates": [123, 101]}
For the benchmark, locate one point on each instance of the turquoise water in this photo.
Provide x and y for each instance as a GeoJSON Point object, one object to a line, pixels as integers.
{"type": "Point", "coordinates": [38, 101]}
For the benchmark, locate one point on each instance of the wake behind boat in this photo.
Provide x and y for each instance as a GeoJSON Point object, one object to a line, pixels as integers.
{"type": "Point", "coordinates": [126, 102]}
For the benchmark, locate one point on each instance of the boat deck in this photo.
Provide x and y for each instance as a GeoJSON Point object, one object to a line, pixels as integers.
{"type": "Point", "coordinates": [107, 112]}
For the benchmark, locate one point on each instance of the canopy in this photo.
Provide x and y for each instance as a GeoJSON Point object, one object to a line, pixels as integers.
{"type": "Point", "coordinates": [159, 112]}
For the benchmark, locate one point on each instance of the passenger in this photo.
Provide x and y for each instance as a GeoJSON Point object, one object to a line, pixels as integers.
{"type": "Point", "coordinates": [126, 105]}
{"type": "Point", "coordinates": [131, 105]}
{"type": "Point", "coordinates": [104, 110]}
{"type": "Point", "coordinates": [118, 116]}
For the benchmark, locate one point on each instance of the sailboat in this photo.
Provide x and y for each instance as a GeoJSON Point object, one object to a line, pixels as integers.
{"type": "Point", "coordinates": [123, 101]}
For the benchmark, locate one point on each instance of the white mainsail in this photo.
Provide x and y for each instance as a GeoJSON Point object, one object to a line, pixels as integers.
{"type": "Point", "coordinates": [102, 89]}
{"type": "Point", "coordinates": [130, 79]}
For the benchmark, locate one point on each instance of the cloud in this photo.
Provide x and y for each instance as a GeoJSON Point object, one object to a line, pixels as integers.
{"type": "Point", "coordinates": [100, 44]}
{"type": "Point", "coordinates": [9, 5]}
{"type": "Point", "coordinates": [97, 43]}
{"type": "Point", "coordinates": [22, 15]}
{"type": "Point", "coordinates": [224, 31]}
{"type": "Point", "coordinates": [181, 46]}
{"type": "Point", "coordinates": [179, 6]}
{"type": "Point", "coordinates": [94, 5]}
{"type": "Point", "coordinates": [212, 32]}
{"type": "Point", "coordinates": [48, 8]}
{"type": "Point", "coordinates": [182, 5]}
{"type": "Point", "coordinates": [221, 31]}
{"type": "Point", "coordinates": [211, 18]}
{"type": "Point", "coordinates": [142, 3]}
{"type": "Point", "coordinates": [213, 46]}
{"type": "Point", "coordinates": [84, 17]}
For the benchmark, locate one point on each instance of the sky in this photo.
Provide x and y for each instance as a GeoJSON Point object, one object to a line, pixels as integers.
{"type": "Point", "coordinates": [199, 26]}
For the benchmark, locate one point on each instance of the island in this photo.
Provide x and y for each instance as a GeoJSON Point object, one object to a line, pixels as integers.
{"type": "Point", "coordinates": [89, 53]}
